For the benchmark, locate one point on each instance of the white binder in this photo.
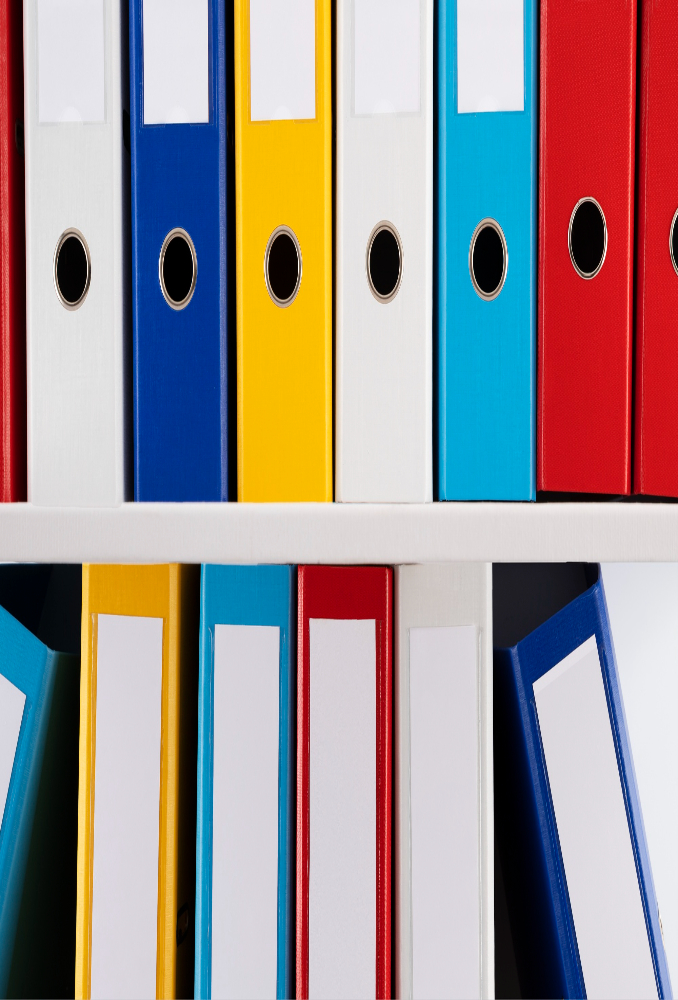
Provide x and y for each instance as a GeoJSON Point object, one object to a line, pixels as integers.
{"type": "Point", "coordinates": [77, 167]}
{"type": "Point", "coordinates": [444, 833]}
{"type": "Point", "coordinates": [384, 218]}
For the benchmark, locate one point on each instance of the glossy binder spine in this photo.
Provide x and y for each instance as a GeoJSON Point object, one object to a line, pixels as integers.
{"type": "Point", "coordinates": [655, 457]}
{"type": "Point", "coordinates": [543, 924]}
{"type": "Point", "coordinates": [181, 426]}
{"type": "Point", "coordinates": [486, 382]}
{"type": "Point", "coordinates": [588, 102]}
{"type": "Point", "coordinates": [434, 596]}
{"type": "Point", "coordinates": [346, 593]}
{"type": "Point", "coordinates": [32, 668]}
{"type": "Point", "coordinates": [383, 378]}
{"type": "Point", "coordinates": [283, 178]}
{"type": "Point", "coordinates": [246, 595]}
{"type": "Point", "coordinates": [12, 259]}
{"type": "Point", "coordinates": [169, 593]}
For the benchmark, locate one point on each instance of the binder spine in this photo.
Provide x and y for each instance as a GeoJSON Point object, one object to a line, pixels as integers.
{"type": "Point", "coordinates": [486, 343]}
{"type": "Point", "coordinates": [631, 798]}
{"type": "Point", "coordinates": [180, 347]}
{"type": "Point", "coordinates": [12, 260]}
{"type": "Point", "coordinates": [383, 376]}
{"type": "Point", "coordinates": [346, 593]}
{"type": "Point", "coordinates": [587, 100]}
{"type": "Point", "coordinates": [17, 822]}
{"type": "Point", "coordinates": [546, 938]}
{"type": "Point", "coordinates": [655, 464]}
{"type": "Point", "coordinates": [203, 865]}
{"type": "Point", "coordinates": [542, 928]}
{"type": "Point", "coordinates": [249, 595]}
{"type": "Point", "coordinates": [441, 595]}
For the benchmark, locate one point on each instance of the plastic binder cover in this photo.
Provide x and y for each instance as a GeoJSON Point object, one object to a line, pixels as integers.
{"type": "Point", "coordinates": [283, 142]}
{"type": "Point", "coordinates": [384, 250]}
{"type": "Point", "coordinates": [574, 857]}
{"type": "Point", "coordinates": [343, 892]}
{"type": "Point", "coordinates": [29, 675]}
{"type": "Point", "coordinates": [444, 912]}
{"type": "Point", "coordinates": [180, 239]}
{"type": "Point", "coordinates": [244, 930]}
{"type": "Point", "coordinates": [13, 260]}
{"type": "Point", "coordinates": [588, 102]}
{"type": "Point", "coordinates": [486, 242]}
{"type": "Point", "coordinates": [78, 313]}
{"type": "Point", "coordinates": [136, 823]}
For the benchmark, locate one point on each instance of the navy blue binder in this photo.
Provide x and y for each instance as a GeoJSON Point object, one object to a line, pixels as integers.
{"type": "Point", "coordinates": [179, 259]}
{"type": "Point", "coordinates": [554, 617]}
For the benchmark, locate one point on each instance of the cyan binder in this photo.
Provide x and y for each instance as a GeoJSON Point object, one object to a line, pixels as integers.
{"type": "Point", "coordinates": [247, 595]}
{"type": "Point", "coordinates": [547, 685]}
{"type": "Point", "coordinates": [485, 225]}
{"type": "Point", "coordinates": [29, 675]}
{"type": "Point", "coordinates": [179, 250]}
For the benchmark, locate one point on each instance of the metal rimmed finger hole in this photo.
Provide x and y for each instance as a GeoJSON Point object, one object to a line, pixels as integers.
{"type": "Point", "coordinates": [72, 269]}
{"type": "Point", "coordinates": [587, 238]}
{"type": "Point", "coordinates": [178, 268]}
{"type": "Point", "coordinates": [282, 266]}
{"type": "Point", "coordinates": [384, 262]}
{"type": "Point", "coordinates": [673, 241]}
{"type": "Point", "coordinates": [488, 259]}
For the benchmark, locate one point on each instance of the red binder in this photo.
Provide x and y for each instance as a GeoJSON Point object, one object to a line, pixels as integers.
{"type": "Point", "coordinates": [586, 169]}
{"type": "Point", "coordinates": [345, 593]}
{"type": "Point", "coordinates": [12, 258]}
{"type": "Point", "coordinates": [656, 414]}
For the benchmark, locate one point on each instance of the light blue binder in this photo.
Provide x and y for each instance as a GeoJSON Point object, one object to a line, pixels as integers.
{"type": "Point", "coordinates": [247, 595]}
{"type": "Point", "coordinates": [486, 381]}
{"type": "Point", "coordinates": [32, 668]}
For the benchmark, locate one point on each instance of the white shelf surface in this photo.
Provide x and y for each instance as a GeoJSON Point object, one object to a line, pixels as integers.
{"type": "Point", "coordinates": [341, 533]}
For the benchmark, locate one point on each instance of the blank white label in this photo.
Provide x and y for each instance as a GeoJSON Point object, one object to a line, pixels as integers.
{"type": "Point", "coordinates": [490, 56]}
{"type": "Point", "coordinates": [342, 904]}
{"type": "Point", "coordinates": [245, 811]}
{"type": "Point", "coordinates": [282, 59]}
{"type": "Point", "coordinates": [387, 56]}
{"type": "Point", "coordinates": [71, 65]}
{"type": "Point", "coordinates": [593, 829]}
{"type": "Point", "coordinates": [176, 61]}
{"type": "Point", "coordinates": [126, 807]}
{"type": "Point", "coordinates": [445, 812]}
{"type": "Point", "coordinates": [12, 702]}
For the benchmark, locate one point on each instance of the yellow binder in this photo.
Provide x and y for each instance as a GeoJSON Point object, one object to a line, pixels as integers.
{"type": "Point", "coordinates": [283, 201]}
{"type": "Point", "coordinates": [170, 593]}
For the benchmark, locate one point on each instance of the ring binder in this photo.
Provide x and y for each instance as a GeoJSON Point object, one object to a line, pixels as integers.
{"type": "Point", "coordinates": [72, 269]}
{"type": "Point", "coordinates": [488, 259]}
{"type": "Point", "coordinates": [673, 242]}
{"type": "Point", "coordinates": [587, 238]}
{"type": "Point", "coordinates": [282, 266]}
{"type": "Point", "coordinates": [178, 268]}
{"type": "Point", "coordinates": [384, 262]}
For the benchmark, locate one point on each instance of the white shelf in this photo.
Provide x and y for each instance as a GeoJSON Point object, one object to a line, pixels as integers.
{"type": "Point", "coordinates": [341, 533]}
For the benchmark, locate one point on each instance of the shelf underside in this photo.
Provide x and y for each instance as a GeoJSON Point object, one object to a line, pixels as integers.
{"type": "Point", "coordinates": [341, 533]}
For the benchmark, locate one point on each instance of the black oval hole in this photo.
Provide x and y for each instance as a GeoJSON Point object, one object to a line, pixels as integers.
{"type": "Point", "coordinates": [282, 267]}
{"type": "Point", "coordinates": [384, 263]}
{"type": "Point", "coordinates": [674, 242]}
{"type": "Point", "coordinates": [587, 238]}
{"type": "Point", "coordinates": [488, 260]}
{"type": "Point", "coordinates": [177, 269]}
{"type": "Point", "coordinates": [72, 270]}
